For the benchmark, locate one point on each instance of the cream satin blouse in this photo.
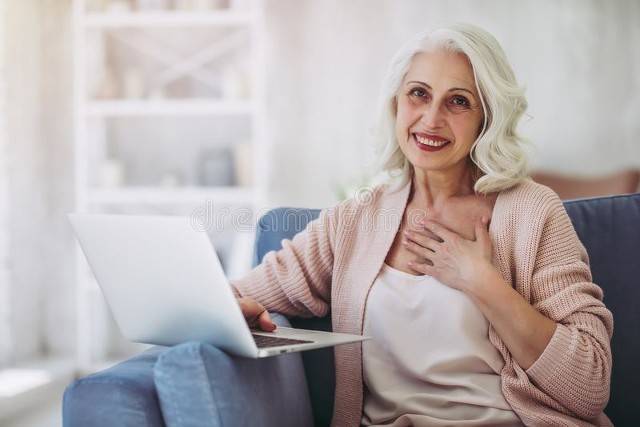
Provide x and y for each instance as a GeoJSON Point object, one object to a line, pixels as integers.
{"type": "Point", "coordinates": [430, 362]}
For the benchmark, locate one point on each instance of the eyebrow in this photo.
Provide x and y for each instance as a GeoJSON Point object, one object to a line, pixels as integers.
{"type": "Point", "coordinates": [450, 90]}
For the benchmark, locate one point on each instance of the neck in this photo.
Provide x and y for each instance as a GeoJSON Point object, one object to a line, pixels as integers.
{"type": "Point", "coordinates": [432, 188]}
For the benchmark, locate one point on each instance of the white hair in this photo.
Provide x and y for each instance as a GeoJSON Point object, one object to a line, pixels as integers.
{"type": "Point", "coordinates": [498, 152]}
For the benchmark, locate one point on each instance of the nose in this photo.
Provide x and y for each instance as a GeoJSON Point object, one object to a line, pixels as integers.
{"type": "Point", "coordinates": [432, 116]}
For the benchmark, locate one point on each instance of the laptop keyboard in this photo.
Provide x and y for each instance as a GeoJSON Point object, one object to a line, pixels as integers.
{"type": "Point", "coordinates": [263, 341]}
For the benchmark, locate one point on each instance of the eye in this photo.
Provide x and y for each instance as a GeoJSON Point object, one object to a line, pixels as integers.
{"type": "Point", "coordinates": [460, 101]}
{"type": "Point", "coordinates": [417, 92]}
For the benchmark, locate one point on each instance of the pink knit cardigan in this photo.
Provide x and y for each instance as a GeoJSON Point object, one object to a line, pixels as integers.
{"type": "Point", "coordinates": [332, 264]}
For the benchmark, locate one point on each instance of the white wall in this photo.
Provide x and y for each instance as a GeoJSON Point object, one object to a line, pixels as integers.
{"type": "Point", "coordinates": [579, 60]}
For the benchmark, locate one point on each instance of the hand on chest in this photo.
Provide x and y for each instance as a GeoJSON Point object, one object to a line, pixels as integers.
{"type": "Point", "coordinates": [458, 216]}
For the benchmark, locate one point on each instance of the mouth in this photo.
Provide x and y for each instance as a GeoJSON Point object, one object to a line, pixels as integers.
{"type": "Point", "coordinates": [429, 142]}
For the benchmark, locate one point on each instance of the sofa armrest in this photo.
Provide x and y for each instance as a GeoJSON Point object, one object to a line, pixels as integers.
{"type": "Point", "coordinates": [319, 367]}
{"type": "Point", "coordinates": [123, 395]}
{"type": "Point", "coordinates": [200, 385]}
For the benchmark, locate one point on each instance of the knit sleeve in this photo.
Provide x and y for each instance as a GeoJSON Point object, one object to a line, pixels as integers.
{"type": "Point", "coordinates": [575, 367]}
{"type": "Point", "coordinates": [295, 280]}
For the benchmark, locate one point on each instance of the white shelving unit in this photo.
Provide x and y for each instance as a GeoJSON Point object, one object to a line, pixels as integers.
{"type": "Point", "coordinates": [102, 120]}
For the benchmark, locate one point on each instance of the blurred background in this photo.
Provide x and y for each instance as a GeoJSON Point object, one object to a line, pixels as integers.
{"type": "Point", "coordinates": [222, 109]}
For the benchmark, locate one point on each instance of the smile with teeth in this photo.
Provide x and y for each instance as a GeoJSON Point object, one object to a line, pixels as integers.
{"type": "Point", "coordinates": [430, 142]}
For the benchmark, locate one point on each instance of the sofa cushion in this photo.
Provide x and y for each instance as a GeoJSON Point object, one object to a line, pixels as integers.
{"type": "Point", "coordinates": [278, 224]}
{"type": "Point", "coordinates": [123, 395]}
{"type": "Point", "coordinates": [200, 385]}
{"type": "Point", "coordinates": [609, 228]}
{"type": "Point", "coordinates": [273, 227]}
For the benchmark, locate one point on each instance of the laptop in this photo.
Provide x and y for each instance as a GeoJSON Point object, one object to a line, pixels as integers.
{"type": "Point", "coordinates": [164, 285]}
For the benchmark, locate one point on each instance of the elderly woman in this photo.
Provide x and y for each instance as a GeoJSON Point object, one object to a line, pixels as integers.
{"type": "Point", "coordinates": [468, 276]}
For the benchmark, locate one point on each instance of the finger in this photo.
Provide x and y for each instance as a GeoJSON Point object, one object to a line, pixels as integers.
{"type": "Point", "coordinates": [414, 269]}
{"type": "Point", "coordinates": [421, 230]}
{"type": "Point", "coordinates": [265, 322]}
{"type": "Point", "coordinates": [424, 238]}
{"type": "Point", "coordinates": [253, 311]}
{"type": "Point", "coordinates": [421, 251]}
{"type": "Point", "coordinates": [416, 263]}
{"type": "Point", "coordinates": [440, 230]}
{"type": "Point", "coordinates": [419, 238]}
{"type": "Point", "coordinates": [250, 308]}
{"type": "Point", "coordinates": [421, 268]}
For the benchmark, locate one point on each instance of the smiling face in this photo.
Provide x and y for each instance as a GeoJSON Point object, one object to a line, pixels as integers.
{"type": "Point", "coordinates": [439, 114]}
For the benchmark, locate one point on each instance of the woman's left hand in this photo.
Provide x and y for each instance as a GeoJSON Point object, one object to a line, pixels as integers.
{"type": "Point", "coordinates": [457, 262]}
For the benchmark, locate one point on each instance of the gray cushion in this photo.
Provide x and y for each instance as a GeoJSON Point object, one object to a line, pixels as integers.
{"type": "Point", "coordinates": [609, 228]}
{"type": "Point", "coordinates": [123, 395]}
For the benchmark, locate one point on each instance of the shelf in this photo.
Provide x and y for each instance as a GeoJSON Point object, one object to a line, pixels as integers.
{"type": "Point", "coordinates": [176, 196]}
{"type": "Point", "coordinates": [166, 19]}
{"type": "Point", "coordinates": [98, 38]}
{"type": "Point", "coordinates": [165, 108]}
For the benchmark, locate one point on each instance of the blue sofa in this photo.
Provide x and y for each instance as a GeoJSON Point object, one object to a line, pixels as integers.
{"type": "Point", "coordinates": [130, 394]}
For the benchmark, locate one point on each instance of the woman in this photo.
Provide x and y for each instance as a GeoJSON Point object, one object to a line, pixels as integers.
{"type": "Point", "coordinates": [468, 275]}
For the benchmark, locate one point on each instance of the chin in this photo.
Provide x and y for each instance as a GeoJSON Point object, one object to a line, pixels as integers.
{"type": "Point", "coordinates": [427, 166]}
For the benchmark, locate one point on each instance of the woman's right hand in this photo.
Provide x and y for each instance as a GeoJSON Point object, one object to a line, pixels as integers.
{"type": "Point", "coordinates": [256, 315]}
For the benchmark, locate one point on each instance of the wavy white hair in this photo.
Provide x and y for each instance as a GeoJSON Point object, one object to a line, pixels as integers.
{"type": "Point", "coordinates": [499, 153]}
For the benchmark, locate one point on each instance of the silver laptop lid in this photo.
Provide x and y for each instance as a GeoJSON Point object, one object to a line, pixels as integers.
{"type": "Point", "coordinates": [162, 281]}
